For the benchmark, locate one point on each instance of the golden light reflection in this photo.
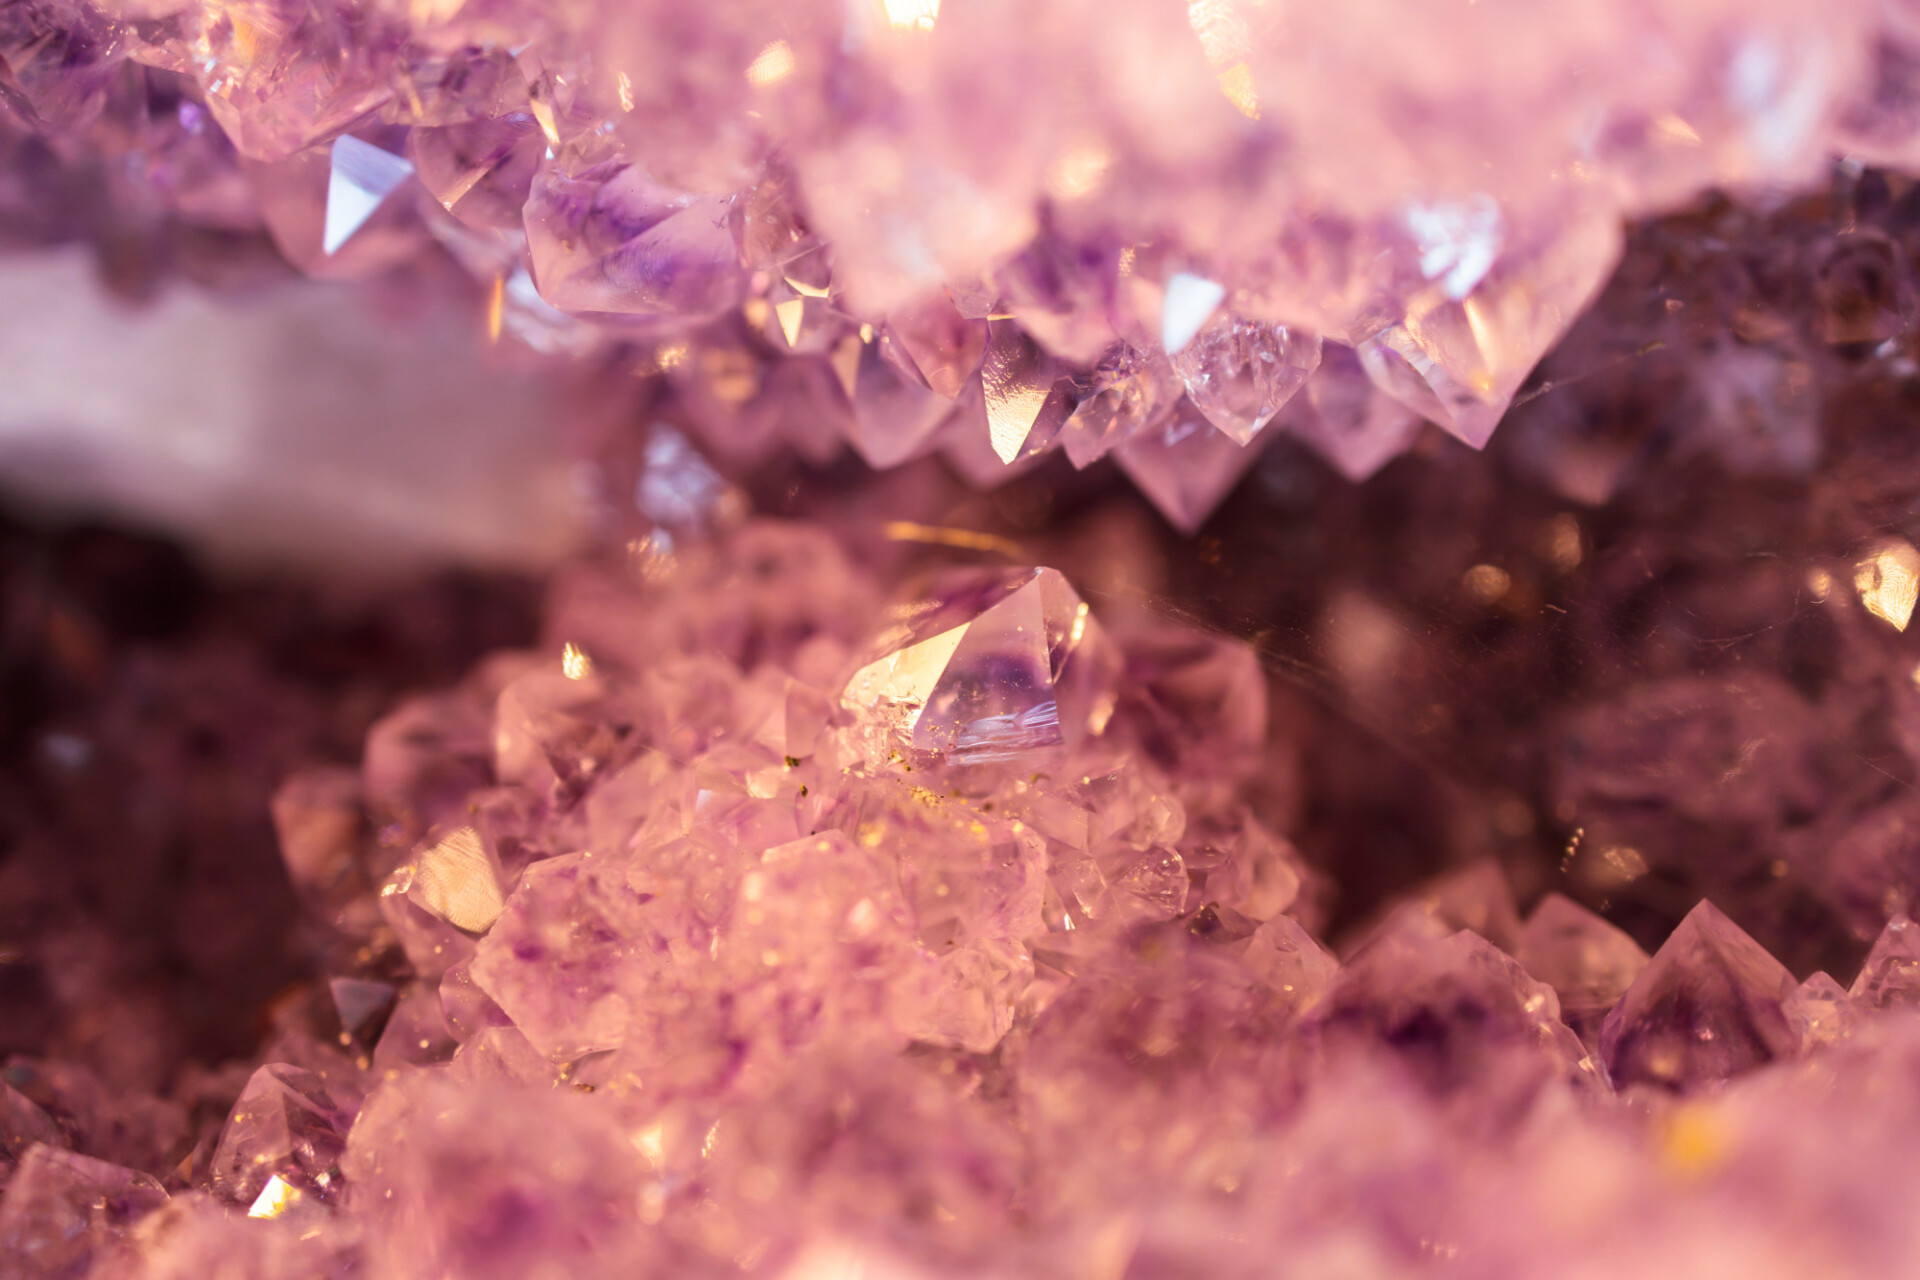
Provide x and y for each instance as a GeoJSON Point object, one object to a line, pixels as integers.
{"type": "Point", "coordinates": [772, 65]}
{"type": "Point", "coordinates": [1223, 37]}
{"type": "Point", "coordinates": [428, 13]}
{"type": "Point", "coordinates": [1674, 129]}
{"type": "Point", "coordinates": [1486, 341]}
{"type": "Point", "coordinates": [274, 1199]}
{"type": "Point", "coordinates": [1621, 865]}
{"type": "Point", "coordinates": [1563, 543]}
{"type": "Point", "coordinates": [651, 1143]}
{"type": "Point", "coordinates": [624, 87]}
{"type": "Point", "coordinates": [946, 536]}
{"type": "Point", "coordinates": [1015, 395]}
{"type": "Point", "coordinates": [574, 663]}
{"type": "Point", "coordinates": [1487, 583]}
{"type": "Point", "coordinates": [543, 116]}
{"type": "Point", "coordinates": [455, 880]}
{"type": "Point", "coordinates": [910, 15]}
{"type": "Point", "coordinates": [1079, 172]}
{"type": "Point", "coordinates": [1237, 83]}
{"type": "Point", "coordinates": [790, 314]}
{"type": "Point", "coordinates": [905, 678]}
{"type": "Point", "coordinates": [651, 558]}
{"type": "Point", "coordinates": [1819, 584]}
{"type": "Point", "coordinates": [1888, 581]}
{"type": "Point", "coordinates": [496, 308]}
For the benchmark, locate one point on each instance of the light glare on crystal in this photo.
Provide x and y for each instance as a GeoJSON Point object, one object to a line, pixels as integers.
{"type": "Point", "coordinates": [361, 178]}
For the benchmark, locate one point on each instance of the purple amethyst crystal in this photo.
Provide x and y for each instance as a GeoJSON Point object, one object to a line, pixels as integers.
{"type": "Point", "coordinates": [991, 666]}
{"type": "Point", "coordinates": [1710, 1004]}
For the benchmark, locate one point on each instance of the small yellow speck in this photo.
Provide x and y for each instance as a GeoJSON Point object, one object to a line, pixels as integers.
{"type": "Point", "coordinates": [1692, 1142]}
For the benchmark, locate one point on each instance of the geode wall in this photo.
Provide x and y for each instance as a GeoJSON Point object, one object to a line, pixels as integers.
{"type": "Point", "coordinates": [867, 639]}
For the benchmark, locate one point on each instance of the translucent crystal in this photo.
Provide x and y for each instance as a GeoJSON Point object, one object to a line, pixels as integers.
{"type": "Point", "coordinates": [1588, 963]}
{"type": "Point", "coordinates": [289, 1125]}
{"type": "Point", "coordinates": [361, 179]}
{"type": "Point", "coordinates": [480, 171]}
{"type": "Point", "coordinates": [1890, 975]}
{"type": "Point", "coordinates": [568, 955]}
{"type": "Point", "coordinates": [605, 239]}
{"type": "Point", "coordinates": [23, 1124]}
{"type": "Point", "coordinates": [1823, 1012]}
{"type": "Point", "coordinates": [1711, 1003]}
{"type": "Point", "coordinates": [458, 881]}
{"type": "Point", "coordinates": [280, 78]}
{"type": "Point", "coordinates": [342, 209]}
{"type": "Point", "coordinates": [424, 757]}
{"type": "Point", "coordinates": [1458, 357]}
{"type": "Point", "coordinates": [1185, 466]}
{"type": "Point", "coordinates": [1347, 420]}
{"type": "Point", "coordinates": [1022, 394]}
{"type": "Point", "coordinates": [1286, 957]}
{"type": "Point", "coordinates": [893, 416]}
{"type": "Point", "coordinates": [1240, 372]}
{"type": "Point", "coordinates": [363, 1007]}
{"type": "Point", "coordinates": [61, 1210]}
{"type": "Point", "coordinates": [992, 666]}
{"type": "Point", "coordinates": [1128, 390]}
{"type": "Point", "coordinates": [1454, 1013]}
{"type": "Point", "coordinates": [1190, 302]}
{"type": "Point", "coordinates": [934, 344]}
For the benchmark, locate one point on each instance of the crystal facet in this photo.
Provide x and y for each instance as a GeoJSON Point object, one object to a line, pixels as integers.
{"type": "Point", "coordinates": [991, 666]}
{"type": "Point", "coordinates": [1711, 1003]}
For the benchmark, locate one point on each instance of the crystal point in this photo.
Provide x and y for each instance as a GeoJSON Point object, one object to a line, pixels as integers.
{"type": "Point", "coordinates": [289, 1124]}
{"type": "Point", "coordinates": [994, 665]}
{"type": "Point", "coordinates": [360, 180]}
{"type": "Point", "coordinates": [1185, 465]}
{"type": "Point", "coordinates": [62, 1210]}
{"type": "Point", "coordinates": [1711, 1003]}
{"type": "Point", "coordinates": [1890, 976]}
{"type": "Point", "coordinates": [1589, 963]}
{"type": "Point", "coordinates": [1240, 372]}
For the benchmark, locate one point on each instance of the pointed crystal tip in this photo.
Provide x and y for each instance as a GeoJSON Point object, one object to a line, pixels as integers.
{"type": "Point", "coordinates": [361, 179]}
{"type": "Point", "coordinates": [993, 664]}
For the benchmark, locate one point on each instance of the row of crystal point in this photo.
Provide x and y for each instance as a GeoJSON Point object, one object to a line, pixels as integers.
{"type": "Point", "coordinates": [752, 929]}
{"type": "Point", "coordinates": [1141, 228]}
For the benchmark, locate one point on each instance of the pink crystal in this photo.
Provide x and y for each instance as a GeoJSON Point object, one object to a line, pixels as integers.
{"type": "Point", "coordinates": [605, 239]}
{"type": "Point", "coordinates": [1890, 975]}
{"type": "Point", "coordinates": [991, 666]}
{"type": "Point", "coordinates": [289, 1124]}
{"type": "Point", "coordinates": [60, 1210]}
{"type": "Point", "coordinates": [1240, 372]}
{"type": "Point", "coordinates": [1588, 963]}
{"type": "Point", "coordinates": [1185, 466]}
{"type": "Point", "coordinates": [1711, 1003]}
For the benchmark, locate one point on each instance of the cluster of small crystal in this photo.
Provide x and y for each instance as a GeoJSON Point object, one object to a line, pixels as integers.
{"type": "Point", "coordinates": [750, 928]}
{"type": "Point", "coordinates": [1140, 228]}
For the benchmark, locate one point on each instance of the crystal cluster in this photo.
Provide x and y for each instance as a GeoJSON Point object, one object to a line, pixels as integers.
{"type": "Point", "coordinates": [812, 903]}
{"type": "Point", "coordinates": [1160, 231]}
{"type": "Point", "coordinates": [749, 926]}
